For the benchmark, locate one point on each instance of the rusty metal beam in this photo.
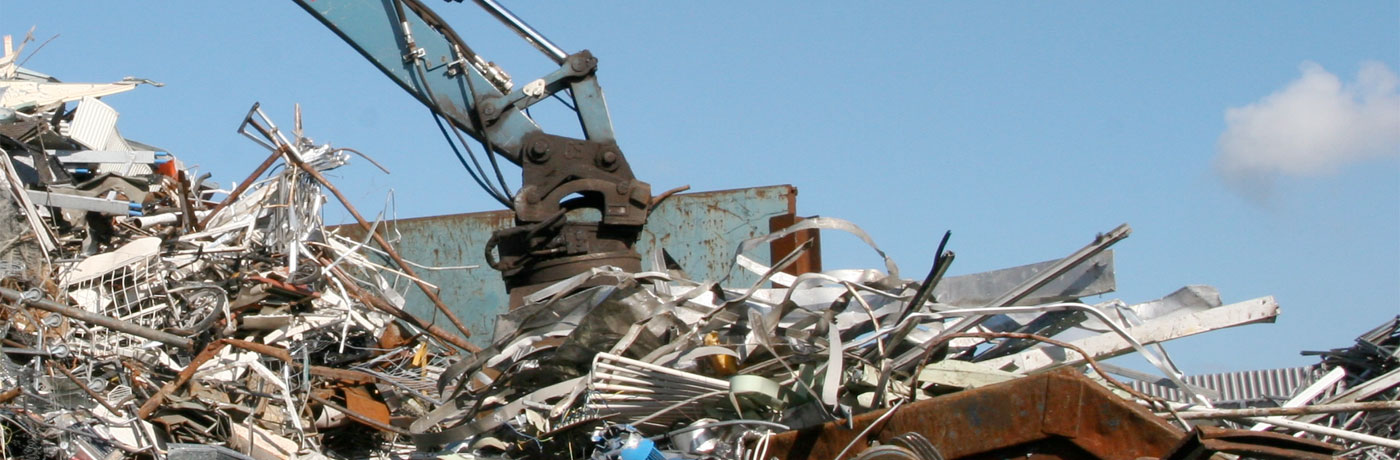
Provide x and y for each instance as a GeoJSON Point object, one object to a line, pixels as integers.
{"type": "Point", "coordinates": [184, 376]}
{"type": "Point", "coordinates": [1205, 441]}
{"type": "Point", "coordinates": [811, 260]}
{"type": "Point", "coordinates": [362, 418]}
{"type": "Point", "coordinates": [1057, 415]}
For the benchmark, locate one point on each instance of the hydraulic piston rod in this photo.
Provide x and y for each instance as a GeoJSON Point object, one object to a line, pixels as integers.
{"type": "Point", "coordinates": [520, 27]}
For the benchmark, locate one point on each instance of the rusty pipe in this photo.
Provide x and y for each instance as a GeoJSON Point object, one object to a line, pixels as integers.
{"type": "Point", "coordinates": [242, 186]}
{"type": "Point", "coordinates": [10, 394]}
{"type": "Point", "coordinates": [83, 386]}
{"type": "Point", "coordinates": [36, 300]}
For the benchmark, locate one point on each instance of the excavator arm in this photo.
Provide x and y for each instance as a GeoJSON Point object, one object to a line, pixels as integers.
{"type": "Point", "coordinates": [416, 49]}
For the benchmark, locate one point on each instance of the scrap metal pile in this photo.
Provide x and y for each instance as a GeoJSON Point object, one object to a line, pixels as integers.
{"type": "Point", "coordinates": [144, 317]}
{"type": "Point", "coordinates": [150, 313]}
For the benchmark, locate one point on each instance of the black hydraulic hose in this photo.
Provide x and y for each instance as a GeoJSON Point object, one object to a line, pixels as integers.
{"type": "Point", "coordinates": [430, 100]}
{"type": "Point", "coordinates": [486, 139]}
{"type": "Point", "coordinates": [437, 119]}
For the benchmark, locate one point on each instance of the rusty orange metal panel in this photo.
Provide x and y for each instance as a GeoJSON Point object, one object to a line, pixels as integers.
{"type": "Point", "coordinates": [1055, 415]}
{"type": "Point", "coordinates": [808, 262]}
{"type": "Point", "coordinates": [358, 400]}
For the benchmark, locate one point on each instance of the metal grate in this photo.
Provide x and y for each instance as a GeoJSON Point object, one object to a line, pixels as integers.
{"type": "Point", "coordinates": [129, 285]}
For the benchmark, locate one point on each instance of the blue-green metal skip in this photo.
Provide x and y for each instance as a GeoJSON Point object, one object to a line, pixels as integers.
{"type": "Point", "coordinates": [700, 231]}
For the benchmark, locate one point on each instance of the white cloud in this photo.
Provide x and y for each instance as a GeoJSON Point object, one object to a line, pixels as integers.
{"type": "Point", "coordinates": [1314, 126]}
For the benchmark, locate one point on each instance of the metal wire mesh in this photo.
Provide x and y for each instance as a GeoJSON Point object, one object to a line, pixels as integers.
{"type": "Point", "coordinates": [134, 292]}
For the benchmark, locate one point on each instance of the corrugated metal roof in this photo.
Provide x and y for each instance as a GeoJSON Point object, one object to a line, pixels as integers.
{"type": "Point", "coordinates": [1243, 386]}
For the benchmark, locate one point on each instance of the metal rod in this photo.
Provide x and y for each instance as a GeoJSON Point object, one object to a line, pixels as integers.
{"type": "Point", "coordinates": [1301, 410]}
{"type": "Point", "coordinates": [184, 376]}
{"type": "Point", "coordinates": [867, 429]}
{"type": "Point", "coordinates": [941, 260]}
{"type": "Point", "coordinates": [188, 219]}
{"type": "Point", "coordinates": [242, 186]}
{"type": "Point", "coordinates": [528, 33]}
{"type": "Point", "coordinates": [24, 351]}
{"type": "Point", "coordinates": [84, 386]}
{"type": "Point", "coordinates": [37, 301]}
{"type": "Point", "coordinates": [1100, 243]}
{"type": "Point", "coordinates": [383, 244]}
{"type": "Point", "coordinates": [1327, 431]}
{"type": "Point", "coordinates": [376, 302]}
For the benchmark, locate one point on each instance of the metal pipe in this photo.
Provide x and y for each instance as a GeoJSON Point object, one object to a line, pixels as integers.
{"type": "Point", "coordinates": [36, 300]}
{"type": "Point", "coordinates": [358, 417]}
{"type": "Point", "coordinates": [10, 394]}
{"type": "Point", "coordinates": [84, 386]}
{"type": "Point", "coordinates": [1327, 431]}
{"type": "Point", "coordinates": [528, 33]}
{"type": "Point", "coordinates": [1301, 410]}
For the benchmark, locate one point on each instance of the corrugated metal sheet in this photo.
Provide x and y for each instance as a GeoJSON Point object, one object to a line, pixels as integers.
{"type": "Point", "coordinates": [94, 124]}
{"type": "Point", "coordinates": [1240, 387]}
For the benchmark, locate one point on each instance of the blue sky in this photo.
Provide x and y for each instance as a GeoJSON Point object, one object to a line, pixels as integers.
{"type": "Point", "coordinates": [1025, 128]}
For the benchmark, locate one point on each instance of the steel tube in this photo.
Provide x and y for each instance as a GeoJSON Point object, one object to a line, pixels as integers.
{"type": "Point", "coordinates": [528, 33]}
{"type": "Point", "coordinates": [1283, 411]}
{"type": "Point", "coordinates": [100, 320]}
{"type": "Point", "coordinates": [1327, 431]}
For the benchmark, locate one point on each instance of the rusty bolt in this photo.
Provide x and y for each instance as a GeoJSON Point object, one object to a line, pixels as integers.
{"type": "Point", "coordinates": [607, 159]}
{"type": "Point", "coordinates": [624, 187]}
{"type": "Point", "coordinates": [539, 151]}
